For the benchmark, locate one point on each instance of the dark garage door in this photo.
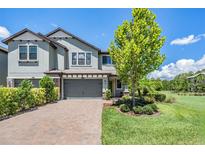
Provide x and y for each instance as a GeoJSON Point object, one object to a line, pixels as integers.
{"type": "Point", "coordinates": [82, 88]}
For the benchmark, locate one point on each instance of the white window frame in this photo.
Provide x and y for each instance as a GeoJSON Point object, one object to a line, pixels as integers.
{"type": "Point", "coordinates": [116, 85]}
{"type": "Point", "coordinates": [28, 59]}
{"type": "Point", "coordinates": [85, 52]}
{"type": "Point", "coordinates": [106, 56]}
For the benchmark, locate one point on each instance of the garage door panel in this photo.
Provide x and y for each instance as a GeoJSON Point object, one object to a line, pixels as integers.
{"type": "Point", "coordinates": [82, 88]}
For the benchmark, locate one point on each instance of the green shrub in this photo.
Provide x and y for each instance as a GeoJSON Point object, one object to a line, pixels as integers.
{"type": "Point", "coordinates": [39, 96]}
{"type": "Point", "coordinates": [160, 97]}
{"type": "Point", "coordinates": [8, 101]}
{"type": "Point", "coordinates": [149, 100]}
{"type": "Point", "coordinates": [48, 83]}
{"type": "Point", "coordinates": [147, 109]}
{"type": "Point", "coordinates": [154, 107]}
{"type": "Point", "coordinates": [126, 99]}
{"type": "Point", "coordinates": [138, 110]}
{"type": "Point", "coordinates": [124, 108]}
{"type": "Point", "coordinates": [108, 94]}
{"type": "Point", "coordinates": [170, 99]}
{"type": "Point", "coordinates": [25, 95]}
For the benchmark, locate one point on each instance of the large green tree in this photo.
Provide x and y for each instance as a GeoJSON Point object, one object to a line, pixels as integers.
{"type": "Point", "coordinates": [135, 49]}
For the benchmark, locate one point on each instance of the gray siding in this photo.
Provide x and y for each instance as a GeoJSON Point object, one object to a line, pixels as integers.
{"type": "Point", "coordinates": [76, 46]}
{"type": "Point", "coordinates": [3, 68]}
{"type": "Point", "coordinates": [26, 70]}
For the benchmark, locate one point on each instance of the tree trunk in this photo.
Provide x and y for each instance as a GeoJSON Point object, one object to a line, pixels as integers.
{"type": "Point", "coordinates": [133, 94]}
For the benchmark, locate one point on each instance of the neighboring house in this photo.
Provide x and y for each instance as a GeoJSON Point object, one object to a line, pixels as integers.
{"type": "Point", "coordinates": [79, 68]}
{"type": "Point", "coordinates": [3, 66]}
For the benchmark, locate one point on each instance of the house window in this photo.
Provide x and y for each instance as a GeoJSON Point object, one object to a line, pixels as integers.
{"type": "Point", "coordinates": [22, 52]}
{"type": "Point", "coordinates": [28, 52]}
{"type": "Point", "coordinates": [88, 58]}
{"type": "Point", "coordinates": [32, 52]}
{"type": "Point", "coordinates": [74, 58]}
{"type": "Point", "coordinates": [119, 84]}
{"type": "Point", "coordinates": [106, 60]}
{"type": "Point", "coordinates": [81, 58]}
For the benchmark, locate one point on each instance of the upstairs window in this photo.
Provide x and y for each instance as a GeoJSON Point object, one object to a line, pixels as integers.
{"type": "Point", "coordinates": [88, 58]}
{"type": "Point", "coordinates": [32, 52]}
{"type": "Point", "coordinates": [81, 58]}
{"type": "Point", "coordinates": [22, 52]}
{"type": "Point", "coordinates": [106, 60]}
{"type": "Point", "coordinates": [74, 58]}
{"type": "Point", "coordinates": [28, 52]}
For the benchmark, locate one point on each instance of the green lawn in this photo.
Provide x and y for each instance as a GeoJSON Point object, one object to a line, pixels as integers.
{"type": "Point", "coordinates": [180, 123]}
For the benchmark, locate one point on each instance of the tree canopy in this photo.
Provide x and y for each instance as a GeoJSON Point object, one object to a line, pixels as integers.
{"type": "Point", "coordinates": [135, 49]}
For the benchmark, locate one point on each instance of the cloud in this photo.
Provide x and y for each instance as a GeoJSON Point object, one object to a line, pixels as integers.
{"type": "Point", "coordinates": [181, 66]}
{"type": "Point", "coordinates": [4, 33]}
{"type": "Point", "coordinates": [187, 40]}
{"type": "Point", "coordinates": [54, 25]}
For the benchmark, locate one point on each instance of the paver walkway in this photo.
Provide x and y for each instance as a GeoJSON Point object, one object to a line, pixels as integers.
{"type": "Point", "coordinates": [66, 122]}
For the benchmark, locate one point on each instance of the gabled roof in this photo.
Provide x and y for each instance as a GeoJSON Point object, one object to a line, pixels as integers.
{"type": "Point", "coordinates": [77, 38]}
{"type": "Point", "coordinates": [54, 42]}
{"type": "Point", "coordinates": [39, 35]}
{"type": "Point", "coordinates": [18, 34]}
{"type": "Point", "coordinates": [3, 49]}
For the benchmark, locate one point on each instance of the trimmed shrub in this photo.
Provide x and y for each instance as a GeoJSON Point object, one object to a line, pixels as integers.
{"type": "Point", "coordinates": [149, 100]}
{"type": "Point", "coordinates": [48, 83]}
{"type": "Point", "coordinates": [108, 94]}
{"type": "Point", "coordinates": [138, 110]}
{"type": "Point", "coordinates": [8, 101]}
{"type": "Point", "coordinates": [39, 96]}
{"type": "Point", "coordinates": [147, 109]}
{"type": "Point", "coordinates": [126, 99]}
{"type": "Point", "coordinates": [170, 99]}
{"type": "Point", "coordinates": [154, 107]}
{"type": "Point", "coordinates": [160, 97]}
{"type": "Point", "coordinates": [124, 108]}
{"type": "Point", "coordinates": [26, 98]}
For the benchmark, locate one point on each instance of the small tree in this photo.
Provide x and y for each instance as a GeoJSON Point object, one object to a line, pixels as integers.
{"type": "Point", "coordinates": [135, 50]}
{"type": "Point", "coordinates": [47, 83]}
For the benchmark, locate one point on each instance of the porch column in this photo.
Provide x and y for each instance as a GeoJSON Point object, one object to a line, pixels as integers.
{"type": "Point", "coordinates": [105, 85]}
{"type": "Point", "coordinates": [10, 82]}
{"type": "Point", "coordinates": [62, 88]}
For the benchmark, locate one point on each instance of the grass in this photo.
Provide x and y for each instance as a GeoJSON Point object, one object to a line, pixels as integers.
{"type": "Point", "coordinates": [180, 123]}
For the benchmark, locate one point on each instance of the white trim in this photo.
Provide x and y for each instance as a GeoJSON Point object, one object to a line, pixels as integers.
{"type": "Point", "coordinates": [28, 59]}
{"type": "Point", "coordinates": [77, 54]}
{"type": "Point", "coordinates": [116, 85]}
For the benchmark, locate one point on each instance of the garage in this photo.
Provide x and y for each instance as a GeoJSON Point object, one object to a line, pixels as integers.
{"type": "Point", "coordinates": [82, 88]}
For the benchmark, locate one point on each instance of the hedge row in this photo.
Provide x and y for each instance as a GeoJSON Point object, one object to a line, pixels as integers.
{"type": "Point", "coordinates": [13, 100]}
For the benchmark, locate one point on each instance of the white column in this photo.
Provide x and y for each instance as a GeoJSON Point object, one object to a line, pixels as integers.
{"type": "Point", "coordinates": [105, 84]}
{"type": "Point", "coordinates": [62, 88]}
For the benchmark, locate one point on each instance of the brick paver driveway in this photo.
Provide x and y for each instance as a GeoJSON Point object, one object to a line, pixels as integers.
{"type": "Point", "coordinates": [66, 122]}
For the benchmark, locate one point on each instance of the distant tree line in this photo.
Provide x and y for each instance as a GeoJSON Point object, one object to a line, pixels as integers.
{"type": "Point", "coordinates": [185, 82]}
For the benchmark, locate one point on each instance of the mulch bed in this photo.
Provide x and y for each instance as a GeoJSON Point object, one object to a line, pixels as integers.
{"type": "Point", "coordinates": [131, 113]}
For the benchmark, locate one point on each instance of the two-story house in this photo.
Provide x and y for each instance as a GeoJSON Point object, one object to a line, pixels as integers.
{"type": "Point", "coordinates": [79, 68]}
{"type": "Point", "coordinates": [3, 66]}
